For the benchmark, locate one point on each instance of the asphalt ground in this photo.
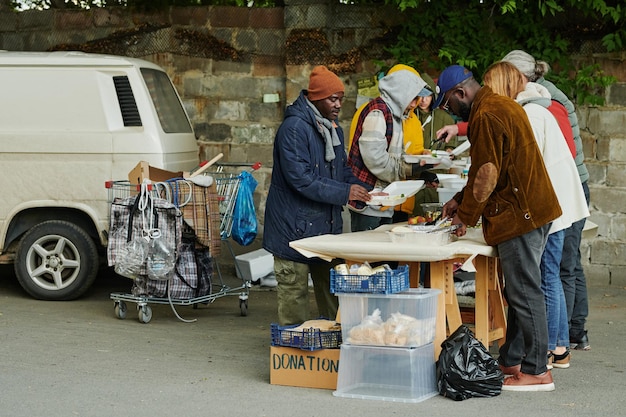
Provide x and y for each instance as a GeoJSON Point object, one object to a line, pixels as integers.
{"type": "Point", "coordinates": [78, 359]}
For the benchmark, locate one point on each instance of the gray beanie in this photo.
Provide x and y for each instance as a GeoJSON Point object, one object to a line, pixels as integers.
{"type": "Point", "coordinates": [523, 61]}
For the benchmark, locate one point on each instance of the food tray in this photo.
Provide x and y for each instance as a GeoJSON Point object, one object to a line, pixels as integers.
{"type": "Point", "coordinates": [428, 159]}
{"type": "Point", "coordinates": [388, 282]}
{"type": "Point", "coordinates": [306, 339]}
{"type": "Point", "coordinates": [418, 234]}
{"type": "Point", "coordinates": [397, 193]}
{"type": "Point", "coordinates": [386, 200]}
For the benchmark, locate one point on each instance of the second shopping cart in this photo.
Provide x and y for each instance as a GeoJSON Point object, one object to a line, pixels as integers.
{"type": "Point", "coordinates": [196, 218]}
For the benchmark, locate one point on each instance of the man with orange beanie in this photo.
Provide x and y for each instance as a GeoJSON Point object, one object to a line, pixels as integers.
{"type": "Point", "coordinates": [311, 181]}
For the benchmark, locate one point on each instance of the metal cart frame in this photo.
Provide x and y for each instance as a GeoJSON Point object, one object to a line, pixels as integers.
{"type": "Point", "coordinates": [227, 185]}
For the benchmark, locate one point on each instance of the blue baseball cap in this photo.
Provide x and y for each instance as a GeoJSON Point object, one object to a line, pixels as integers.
{"type": "Point", "coordinates": [451, 76]}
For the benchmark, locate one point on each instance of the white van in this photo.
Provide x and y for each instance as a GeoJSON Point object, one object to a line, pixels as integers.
{"type": "Point", "coordinates": [69, 122]}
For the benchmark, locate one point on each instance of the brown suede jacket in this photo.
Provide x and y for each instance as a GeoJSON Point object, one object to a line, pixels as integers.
{"type": "Point", "coordinates": [507, 183]}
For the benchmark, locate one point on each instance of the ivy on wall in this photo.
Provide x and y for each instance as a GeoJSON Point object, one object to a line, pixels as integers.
{"type": "Point", "coordinates": [479, 32]}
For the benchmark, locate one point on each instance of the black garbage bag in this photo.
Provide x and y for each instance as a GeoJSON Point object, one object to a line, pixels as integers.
{"type": "Point", "coordinates": [466, 369]}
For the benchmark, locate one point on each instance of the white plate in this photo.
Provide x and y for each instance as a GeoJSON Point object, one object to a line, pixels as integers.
{"type": "Point", "coordinates": [397, 193]}
{"type": "Point", "coordinates": [408, 188]}
{"type": "Point", "coordinates": [386, 200]}
{"type": "Point", "coordinates": [444, 177]}
{"type": "Point", "coordinates": [461, 148]}
{"type": "Point", "coordinates": [416, 159]}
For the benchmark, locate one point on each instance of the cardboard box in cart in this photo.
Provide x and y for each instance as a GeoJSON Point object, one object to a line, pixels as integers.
{"type": "Point", "coordinates": [143, 171]}
{"type": "Point", "coordinates": [303, 368]}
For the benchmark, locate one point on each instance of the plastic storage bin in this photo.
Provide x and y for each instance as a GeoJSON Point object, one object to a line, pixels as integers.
{"type": "Point", "coordinates": [254, 265]}
{"type": "Point", "coordinates": [388, 282]}
{"type": "Point", "coordinates": [389, 374]}
{"type": "Point", "coordinates": [418, 303]}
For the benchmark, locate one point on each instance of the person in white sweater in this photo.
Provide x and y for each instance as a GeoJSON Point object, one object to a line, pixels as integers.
{"type": "Point", "coordinates": [505, 79]}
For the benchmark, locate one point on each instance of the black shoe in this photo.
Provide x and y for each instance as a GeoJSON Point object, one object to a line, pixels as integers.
{"type": "Point", "coordinates": [580, 342]}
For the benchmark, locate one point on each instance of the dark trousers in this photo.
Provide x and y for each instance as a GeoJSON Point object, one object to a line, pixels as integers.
{"type": "Point", "coordinates": [527, 325]}
{"type": "Point", "coordinates": [573, 277]}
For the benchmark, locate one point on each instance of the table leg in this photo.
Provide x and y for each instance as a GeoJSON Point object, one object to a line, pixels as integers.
{"type": "Point", "coordinates": [448, 313]}
{"type": "Point", "coordinates": [490, 321]}
{"type": "Point", "coordinates": [414, 274]}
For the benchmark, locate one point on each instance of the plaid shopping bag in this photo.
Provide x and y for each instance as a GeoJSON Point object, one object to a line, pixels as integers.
{"type": "Point", "coordinates": [129, 220]}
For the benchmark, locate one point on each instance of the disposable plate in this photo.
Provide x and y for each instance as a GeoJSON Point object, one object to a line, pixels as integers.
{"type": "Point", "coordinates": [416, 159]}
{"type": "Point", "coordinates": [397, 193]}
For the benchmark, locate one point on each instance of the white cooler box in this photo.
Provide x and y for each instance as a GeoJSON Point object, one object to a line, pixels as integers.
{"type": "Point", "coordinates": [254, 265]}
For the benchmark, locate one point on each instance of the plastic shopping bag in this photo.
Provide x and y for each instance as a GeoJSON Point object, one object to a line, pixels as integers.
{"type": "Point", "coordinates": [466, 369]}
{"type": "Point", "coordinates": [244, 217]}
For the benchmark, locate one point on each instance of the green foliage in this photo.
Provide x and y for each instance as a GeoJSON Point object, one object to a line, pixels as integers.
{"type": "Point", "coordinates": [144, 5]}
{"type": "Point", "coordinates": [477, 33]}
{"type": "Point", "coordinates": [587, 86]}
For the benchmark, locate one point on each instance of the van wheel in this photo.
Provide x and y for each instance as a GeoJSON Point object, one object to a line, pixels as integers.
{"type": "Point", "coordinates": [56, 260]}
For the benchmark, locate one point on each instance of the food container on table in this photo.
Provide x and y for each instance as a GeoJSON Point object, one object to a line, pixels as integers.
{"type": "Point", "coordinates": [422, 235]}
{"type": "Point", "coordinates": [432, 211]}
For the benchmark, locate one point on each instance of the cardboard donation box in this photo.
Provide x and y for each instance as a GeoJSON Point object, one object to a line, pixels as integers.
{"type": "Point", "coordinates": [143, 171]}
{"type": "Point", "coordinates": [302, 368]}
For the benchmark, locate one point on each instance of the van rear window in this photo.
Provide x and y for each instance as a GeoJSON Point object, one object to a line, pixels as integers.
{"type": "Point", "coordinates": [166, 102]}
{"type": "Point", "coordinates": [128, 105]}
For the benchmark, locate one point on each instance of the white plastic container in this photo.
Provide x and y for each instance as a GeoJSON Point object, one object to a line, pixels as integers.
{"type": "Point", "coordinates": [254, 265]}
{"type": "Point", "coordinates": [446, 194]}
{"type": "Point", "coordinates": [387, 374]}
{"type": "Point", "coordinates": [456, 183]}
{"type": "Point", "coordinates": [406, 234]}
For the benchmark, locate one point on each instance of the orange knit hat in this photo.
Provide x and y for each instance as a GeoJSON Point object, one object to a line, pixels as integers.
{"type": "Point", "coordinates": [323, 83]}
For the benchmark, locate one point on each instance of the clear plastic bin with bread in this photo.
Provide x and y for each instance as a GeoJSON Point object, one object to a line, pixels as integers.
{"type": "Point", "coordinates": [406, 319]}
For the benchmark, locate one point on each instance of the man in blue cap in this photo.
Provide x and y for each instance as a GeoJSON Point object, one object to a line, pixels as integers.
{"type": "Point", "coordinates": [508, 187]}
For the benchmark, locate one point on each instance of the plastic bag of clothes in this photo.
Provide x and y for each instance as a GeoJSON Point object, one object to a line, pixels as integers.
{"type": "Point", "coordinates": [466, 369]}
{"type": "Point", "coordinates": [244, 216]}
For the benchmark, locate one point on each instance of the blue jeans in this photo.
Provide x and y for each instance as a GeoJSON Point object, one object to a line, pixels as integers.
{"type": "Point", "coordinates": [556, 309]}
{"type": "Point", "coordinates": [527, 326]}
{"type": "Point", "coordinates": [573, 277]}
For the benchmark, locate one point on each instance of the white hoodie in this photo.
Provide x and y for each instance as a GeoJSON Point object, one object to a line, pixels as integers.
{"type": "Point", "coordinates": [397, 90]}
{"type": "Point", "coordinates": [556, 156]}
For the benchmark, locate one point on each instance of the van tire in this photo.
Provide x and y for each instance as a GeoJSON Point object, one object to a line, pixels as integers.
{"type": "Point", "coordinates": [56, 260]}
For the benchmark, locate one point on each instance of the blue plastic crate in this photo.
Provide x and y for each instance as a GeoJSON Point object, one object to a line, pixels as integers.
{"type": "Point", "coordinates": [388, 282]}
{"type": "Point", "coordinates": [305, 339]}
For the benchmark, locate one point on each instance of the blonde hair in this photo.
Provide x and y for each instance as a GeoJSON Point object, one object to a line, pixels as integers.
{"type": "Point", "coordinates": [505, 79]}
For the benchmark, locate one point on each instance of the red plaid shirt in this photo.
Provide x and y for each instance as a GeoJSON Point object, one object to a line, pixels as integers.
{"type": "Point", "coordinates": [355, 160]}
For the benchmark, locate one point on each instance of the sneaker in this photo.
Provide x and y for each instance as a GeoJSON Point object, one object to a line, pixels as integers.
{"type": "Point", "coordinates": [561, 361]}
{"type": "Point", "coordinates": [581, 342]}
{"type": "Point", "coordinates": [510, 370]}
{"type": "Point", "coordinates": [527, 382]}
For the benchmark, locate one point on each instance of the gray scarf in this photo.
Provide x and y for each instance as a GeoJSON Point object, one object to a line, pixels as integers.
{"type": "Point", "coordinates": [327, 129]}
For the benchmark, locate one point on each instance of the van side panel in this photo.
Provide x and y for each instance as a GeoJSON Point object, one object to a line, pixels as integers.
{"type": "Point", "coordinates": [62, 137]}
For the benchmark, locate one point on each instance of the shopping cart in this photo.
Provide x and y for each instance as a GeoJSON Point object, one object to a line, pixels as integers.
{"type": "Point", "coordinates": [213, 228]}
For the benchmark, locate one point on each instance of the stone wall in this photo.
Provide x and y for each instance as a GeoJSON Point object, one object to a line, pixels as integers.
{"type": "Point", "coordinates": [225, 60]}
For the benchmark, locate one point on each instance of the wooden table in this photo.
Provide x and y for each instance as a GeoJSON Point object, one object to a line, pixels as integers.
{"type": "Point", "coordinates": [376, 245]}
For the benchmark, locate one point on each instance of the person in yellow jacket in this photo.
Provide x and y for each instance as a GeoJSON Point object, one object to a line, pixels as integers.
{"type": "Point", "coordinates": [412, 127]}
{"type": "Point", "coordinates": [413, 139]}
